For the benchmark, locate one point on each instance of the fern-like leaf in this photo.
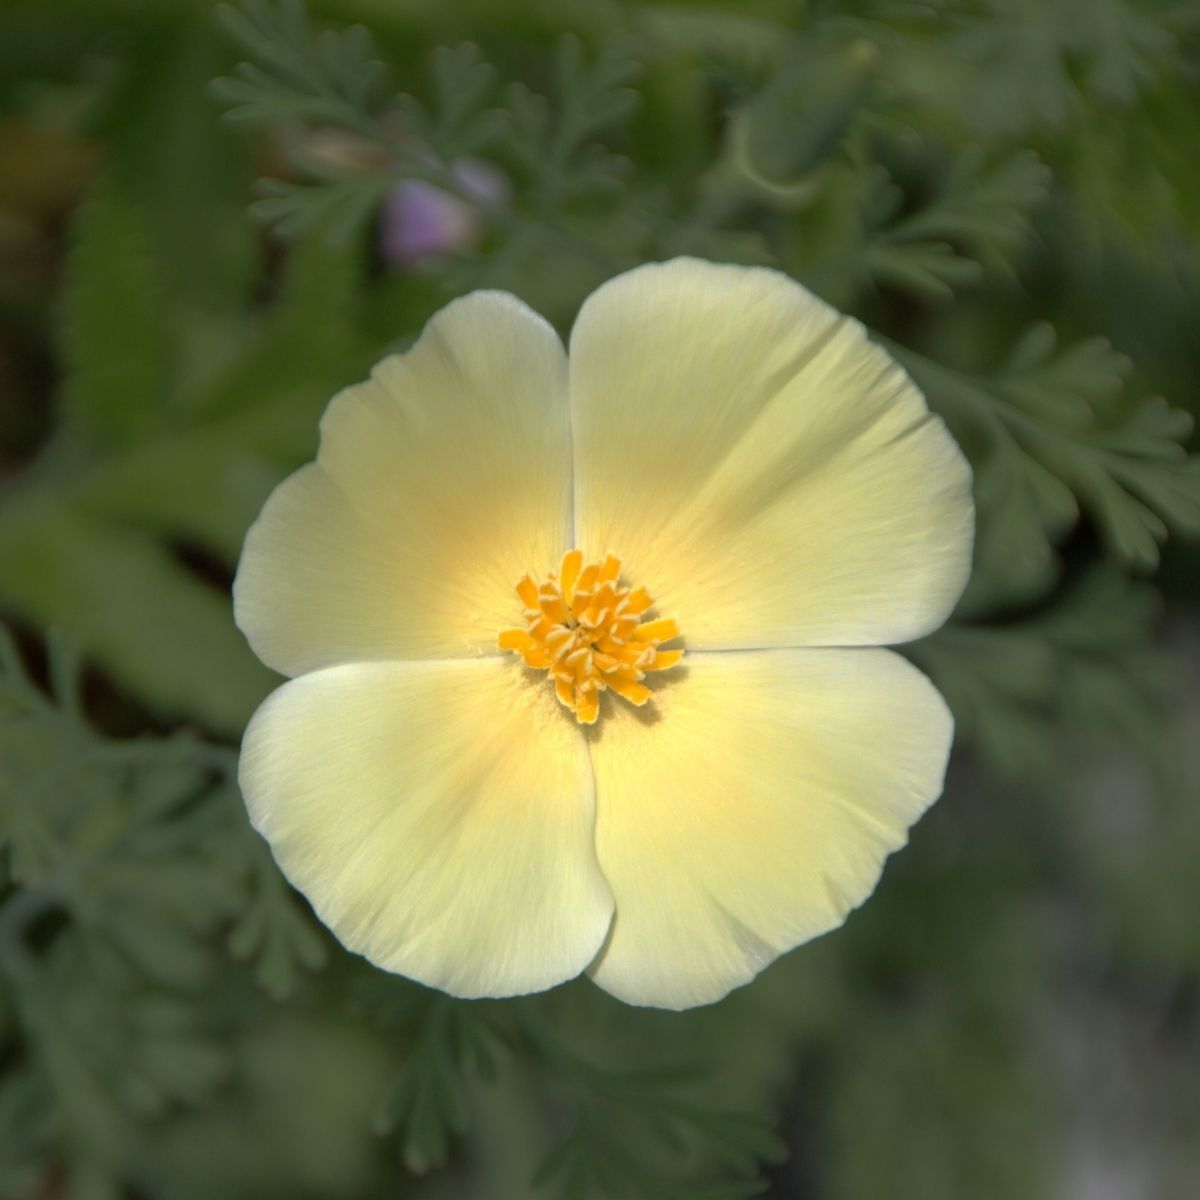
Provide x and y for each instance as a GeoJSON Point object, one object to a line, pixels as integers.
{"type": "Point", "coordinates": [1052, 432]}
{"type": "Point", "coordinates": [299, 74]}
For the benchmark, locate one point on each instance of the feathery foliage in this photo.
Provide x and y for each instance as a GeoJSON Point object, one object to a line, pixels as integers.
{"type": "Point", "coordinates": [123, 862]}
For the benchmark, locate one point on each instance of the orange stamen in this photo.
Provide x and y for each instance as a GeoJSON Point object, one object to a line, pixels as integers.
{"type": "Point", "coordinates": [584, 627]}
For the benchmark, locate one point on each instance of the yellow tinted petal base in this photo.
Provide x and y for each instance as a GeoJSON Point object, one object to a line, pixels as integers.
{"type": "Point", "coordinates": [585, 627]}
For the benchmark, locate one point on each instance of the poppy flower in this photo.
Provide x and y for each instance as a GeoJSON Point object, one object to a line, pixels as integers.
{"type": "Point", "coordinates": [586, 647]}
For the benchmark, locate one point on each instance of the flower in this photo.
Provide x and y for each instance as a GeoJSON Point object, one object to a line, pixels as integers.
{"type": "Point", "coordinates": [476, 774]}
{"type": "Point", "coordinates": [421, 221]}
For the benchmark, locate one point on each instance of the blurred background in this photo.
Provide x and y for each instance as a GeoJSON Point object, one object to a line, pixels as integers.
{"type": "Point", "coordinates": [210, 221]}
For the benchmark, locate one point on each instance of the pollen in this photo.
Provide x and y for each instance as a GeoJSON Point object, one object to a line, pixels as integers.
{"type": "Point", "coordinates": [586, 628]}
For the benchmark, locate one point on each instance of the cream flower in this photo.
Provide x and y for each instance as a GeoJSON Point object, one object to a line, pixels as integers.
{"type": "Point", "coordinates": [495, 767]}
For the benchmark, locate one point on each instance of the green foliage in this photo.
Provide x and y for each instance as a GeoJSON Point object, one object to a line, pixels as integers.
{"type": "Point", "coordinates": [449, 1045]}
{"type": "Point", "coordinates": [127, 596]}
{"type": "Point", "coordinates": [122, 861]}
{"type": "Point", "coordinates": [827, 89]}
{"type": "Point", "coordinates": [271, 930]}
{"type": "Point", "coordinates": [176, 418]}
{"type": "Point", "coordinates": [1083, 664]}
{"type": "Point", "coordinates": [1051, 432]}
{"type": "Point", "coordinates": [867, 223]}
{"type": "Point", "coordinates": [619, 1129]}
{"type": "Point", "coordinates": [113, 298]}
{"type": "Point", "coordinates": [979, 216]}
{"type": "Point", "coordinates": [1062, 51]}
{"type": "Point", "coordinates": [459, 118]}
{"type": "Point", "coordinates": [556, 140]}
{"type": "Point", "coordinates": [633, 1128]}
{"type": "Point", "coordinates": [302, 76]}
{"type": "Point", "coordinates": [901, 1095]}
{"type": "Point", "coordinates": [333, 77]}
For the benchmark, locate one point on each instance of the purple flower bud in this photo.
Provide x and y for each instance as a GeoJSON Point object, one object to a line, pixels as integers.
{"type": "Point", "coordinates": [422, 221]}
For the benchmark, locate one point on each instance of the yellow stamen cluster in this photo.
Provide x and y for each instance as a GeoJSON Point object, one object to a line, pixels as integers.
{"type": "Point", "coordinates": [585, 627]}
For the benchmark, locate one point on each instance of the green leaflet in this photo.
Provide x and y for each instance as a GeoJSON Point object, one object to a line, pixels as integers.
{"type": "Point", "coordinates": [128, 600]}
{"type": "Point", "coordinates": [470, 1067]}
{"type": "Point", "coordinates": [183, 169]}
{"type": "Point", "coordinates": [1051, 433]}
{"type": "Point", "coordinates": [1113, 47]}
{"type": "Point", "coordinates": [115, 338]}
{"type": "Point", "coordinates": [329, 77]}
{"type": "Point", "coordinates": [860, 227]}
{"type": "Point", "coordinates": [182, 407]}
{"type": "Point", "coordinates": [977, 220]}
{"type": "Point", "coordinates": [127, 859]}
{"type": "Point", "coordinates": [1082, 664]}
{"type": "Point", "coordinates": [803, 114]}
{"type": "Point", "coordinates": [458, 118]}
{"type": "Point", "coordinates": [332, 81]}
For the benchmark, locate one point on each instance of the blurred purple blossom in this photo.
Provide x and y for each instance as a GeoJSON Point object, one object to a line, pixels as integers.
{"type": "Point", "coordinates": [422, 221]}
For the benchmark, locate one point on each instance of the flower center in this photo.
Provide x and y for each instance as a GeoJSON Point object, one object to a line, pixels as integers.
{"type": "Point", "coordinates": [585, 628]}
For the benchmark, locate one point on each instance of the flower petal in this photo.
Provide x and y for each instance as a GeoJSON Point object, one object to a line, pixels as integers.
{"type": "Point", "coordinates": [771, 476]}
{"type": "Point", "coordinates": [755, 810]}
{"type": "Point", "coordinates": [439, 482]}
{"type": "Point", "coordinates": [439, 817]}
